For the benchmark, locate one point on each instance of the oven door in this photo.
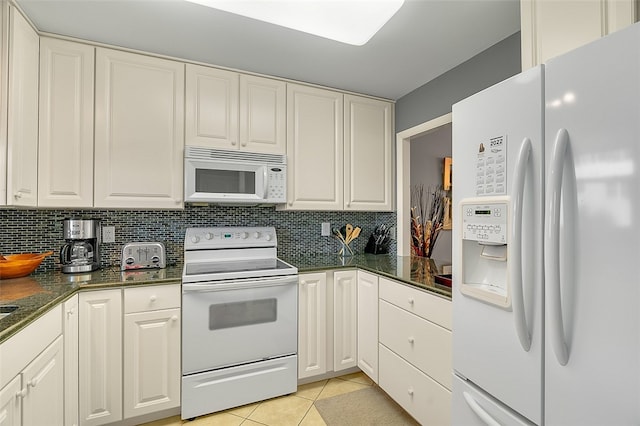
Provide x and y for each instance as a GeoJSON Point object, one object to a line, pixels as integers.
{"type": "Point", "coordinates": [224, 181]}
{"type": "Point", "coordinates": [233, 322]}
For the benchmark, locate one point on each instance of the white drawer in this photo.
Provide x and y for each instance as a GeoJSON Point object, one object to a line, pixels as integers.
{"type": "Point", "coordinates": [422, 343]}
{"type": "Point", "coordinates": [427, 401]}
{"type": "Point", "coordinates": [421, 303]}
{"type": "Point", "coordinates": [151, 298]}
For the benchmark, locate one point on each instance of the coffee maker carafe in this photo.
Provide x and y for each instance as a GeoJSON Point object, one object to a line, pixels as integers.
{"type": "Point", "coordinates": [81, 252]}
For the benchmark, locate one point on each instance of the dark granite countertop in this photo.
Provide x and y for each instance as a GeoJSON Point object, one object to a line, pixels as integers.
{"type": "Point", "coordinates": [415, 271]}
{"type": "Point", "coordinates": [36, 294]}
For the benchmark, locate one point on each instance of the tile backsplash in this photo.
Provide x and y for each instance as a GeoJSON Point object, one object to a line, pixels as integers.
{"type": "Point", "coordinates": [38, 230]}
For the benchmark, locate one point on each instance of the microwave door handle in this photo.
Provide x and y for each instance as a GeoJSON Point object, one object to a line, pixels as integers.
{"type": "Point", "coordinates": [239, 285]}
{"type": "Point", "coordinates": [265, 178]}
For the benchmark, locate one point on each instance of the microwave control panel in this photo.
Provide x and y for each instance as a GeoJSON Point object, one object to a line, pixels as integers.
{"type": "Point", "coordinates": [485, 222]}
{"type": "Point", "coordinates": [277, 184]}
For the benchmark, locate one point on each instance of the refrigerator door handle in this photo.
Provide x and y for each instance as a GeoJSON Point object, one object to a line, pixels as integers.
{"type": "Point", "coordinates": [515, 275]}
{"type": "Point", "coordinates": [479, 411]}
{"type": "Point", "coordinates": [552, 245]}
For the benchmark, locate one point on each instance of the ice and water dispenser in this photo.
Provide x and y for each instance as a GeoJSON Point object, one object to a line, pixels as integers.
{"type": "Point", "coordinates": [485, 243]}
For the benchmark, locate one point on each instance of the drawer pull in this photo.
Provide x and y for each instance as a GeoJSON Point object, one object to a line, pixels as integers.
{"type": "Point", "coordinates": [21, 393]}
{"type": "Point", "coordinates": [153, 298]}
{"type": "Point", "coordinates": [174, 318]}
{"type": "Point", "coordinates": [410, 300]}
{"type": "Point", "coordinates": [410, 391]}
{"type": "Point", "coordinates": [411, 340]}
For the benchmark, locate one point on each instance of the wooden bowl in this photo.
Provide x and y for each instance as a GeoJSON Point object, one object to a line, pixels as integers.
{"type": "Point", "coordinates": [20, 265]}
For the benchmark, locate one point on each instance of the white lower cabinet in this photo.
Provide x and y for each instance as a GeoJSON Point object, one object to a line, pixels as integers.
{"type": "Point", "coordinates": [100, 357]}
{"type": "Point", "coordinates": [10, 402]}
{"type": "Point", "coordinates": [326, 323]}
{"type": "Point", "coordinates": [344, 320]}
{"type": "Point", "coordinates": [368, 324]}
{"type": "Point", "coordinates": [135, 372]}
{"type": "Point", "coordinates": [31, 377]}
{"type": "Point", "coordinates": [312, 325]}
{"type": "Point", "coordinates": [151, 349]}
{"type": "Point", "coordinates": [70, 331]}
{"type": "Point", "coordinates": [415, 351]}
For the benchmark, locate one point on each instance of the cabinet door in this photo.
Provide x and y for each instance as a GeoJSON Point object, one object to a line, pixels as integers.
{"type": "Point", "coordinates": [43, 380]}
{"type": "Point", "coordinates": [4, 72]}
{"type": "Point", "coordinates": [10, 400]}
{"type": "Point", "coordinates": [344, 320]}
{"type": "Point", "coordinates": [65, 156]}
{"type": "Point", "coordinates": [139, 136]}
{"type": "Point", "coordinates": [367, 154]}
{"type": "Point", "coordinates": [152, 369]}
{"type": "Point", "coordinates": [314, 148]}
{"type": "Point", "coordinates": [100, 366]}
{"type": "Point", "coordinates": [22, 121]}
{"type": "Point", "coordinates": [312, 325]}
{"type": "Point", "coordinates": [551, 28]}
{"type": "Point", "coordinates": [71, 333]}
{"type": "Point", "coordinates": [368, 324]}
{"type": "Point", "coordinates": [263, 115]}
{"type": "Point", "coordinates": [211, 109]}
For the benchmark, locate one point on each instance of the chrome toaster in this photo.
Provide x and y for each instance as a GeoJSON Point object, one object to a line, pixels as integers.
{"type": "Point", "coordinates": [143, 256]}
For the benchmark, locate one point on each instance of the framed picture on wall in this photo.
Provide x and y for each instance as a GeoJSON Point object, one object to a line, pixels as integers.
{"type": "Point", "coordinates": [446, 175]}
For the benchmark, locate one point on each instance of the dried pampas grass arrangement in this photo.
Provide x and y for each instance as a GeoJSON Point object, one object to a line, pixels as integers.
{"type": "Point", "coordinates": [427, 216]}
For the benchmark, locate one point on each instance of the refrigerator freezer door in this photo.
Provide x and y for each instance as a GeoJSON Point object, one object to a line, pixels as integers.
{"type": "Point", "coordinates": [472, 407]}
{"type": "Point", "coordinates": [593, 226]}
{"type": "Point", "coordinates": [487, 342]}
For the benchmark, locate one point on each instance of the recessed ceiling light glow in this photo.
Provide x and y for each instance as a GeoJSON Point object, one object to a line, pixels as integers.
{"type": "Point", "coordinates": [348, 21]}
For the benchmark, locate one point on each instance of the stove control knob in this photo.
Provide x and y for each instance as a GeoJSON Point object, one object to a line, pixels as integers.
{"type": "Point", "coordinates": [256, 235]}
{"type": "Point", "coordinates": [244, 235]}
{"type": "Point", "coordinates": [195, 239]}
{"type": "Point", "coordinates": [208, 236]}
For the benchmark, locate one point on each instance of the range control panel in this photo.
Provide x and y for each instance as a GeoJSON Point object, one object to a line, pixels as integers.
{"type": "Point", "coordinates": [229, 237]}
{"type": "Point", "coordinates": [485, 222]}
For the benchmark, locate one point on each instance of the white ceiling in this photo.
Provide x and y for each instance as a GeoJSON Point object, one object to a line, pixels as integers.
{"type": "Point", "coordinates": [422, 41]}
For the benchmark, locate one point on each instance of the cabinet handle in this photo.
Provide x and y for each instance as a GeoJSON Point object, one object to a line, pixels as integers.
{"type": "Point", "coordinates": [32, 383]}
{"type": "Point", "coordinates": [233, 143]}
{"type": "Point", "coordinates": [410, 391]}
{"type": "Point", "coordinates": [17, 195]}
{"type": "Point", "coordinates": [174, 318]}
{"type": "Point", "coordinates": [410, 300]}
{"type": "Point", "coordinates": [303, 283]}
{"type": "Point", "coordinates": [153, 298]}
{"type": "Point", "coordinates": [21, 393]}
{"type": "Point", "coordinates": [411, 340]}
{"type": "Point", "coordinates": [70, 312]}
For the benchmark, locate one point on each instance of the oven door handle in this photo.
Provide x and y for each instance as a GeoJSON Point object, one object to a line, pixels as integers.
{"type": "Point", "coordinates": [239, 285]}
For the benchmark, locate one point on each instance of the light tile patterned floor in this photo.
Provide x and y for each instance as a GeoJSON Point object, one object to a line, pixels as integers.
{"type": "Point", "coordinates": [290, 410]}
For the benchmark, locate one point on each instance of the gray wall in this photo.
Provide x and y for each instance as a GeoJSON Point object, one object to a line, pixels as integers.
{"type": "Point", "coordinates": [427, 153]}
{"type": "Point", "coordinates": [435, 98]}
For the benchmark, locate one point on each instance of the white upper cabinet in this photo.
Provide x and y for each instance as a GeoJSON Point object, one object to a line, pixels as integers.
{"type": "Point", "coordinates": [263, 115]}
{"type": "Point", "coordinates": [551, 28]}
{"type": "Point", "coordinates": [228, 110]}
{"type": "Point", "coordinates": [339, 151]}
{"type": "Point", "coordinates": [22, 118]}
{"type": "Point", "coordinates": [65, 155]}
{"type": "Point", "coordinates": [211, 108]}
{"type": "Point", "coordinates": [314, 148]}
{"type": "Point", "coordinates": [367, 154]}
{"type": "Point", "coordinates": [139, 131]}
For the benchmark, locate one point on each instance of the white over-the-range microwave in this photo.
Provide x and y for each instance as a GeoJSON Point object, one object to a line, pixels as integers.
{"type": "Point", "coordinates": [234, 177]}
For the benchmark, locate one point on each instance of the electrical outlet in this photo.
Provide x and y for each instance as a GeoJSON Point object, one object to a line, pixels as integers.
{"type": "Point", "coordinates": [326, 229]}
{"type": "Point", "coordinates": [108, 234]}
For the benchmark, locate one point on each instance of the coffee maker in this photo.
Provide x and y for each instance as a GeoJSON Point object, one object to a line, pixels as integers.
{"type": "Point", "coordinates": [81, 252]}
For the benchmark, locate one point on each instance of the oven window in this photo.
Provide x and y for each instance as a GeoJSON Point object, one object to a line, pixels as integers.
{"type": "Point", "coordinates": [214, 181]}
{"type": "Point", "coordinates": [238, 314]}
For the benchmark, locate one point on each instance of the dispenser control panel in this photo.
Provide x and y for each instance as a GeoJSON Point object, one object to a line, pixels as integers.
{"type": "Point", "coordinates": [485, 222]}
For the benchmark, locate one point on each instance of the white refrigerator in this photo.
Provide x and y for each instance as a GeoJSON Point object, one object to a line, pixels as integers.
{"type": "Point", "coordinates": [546, 241]}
